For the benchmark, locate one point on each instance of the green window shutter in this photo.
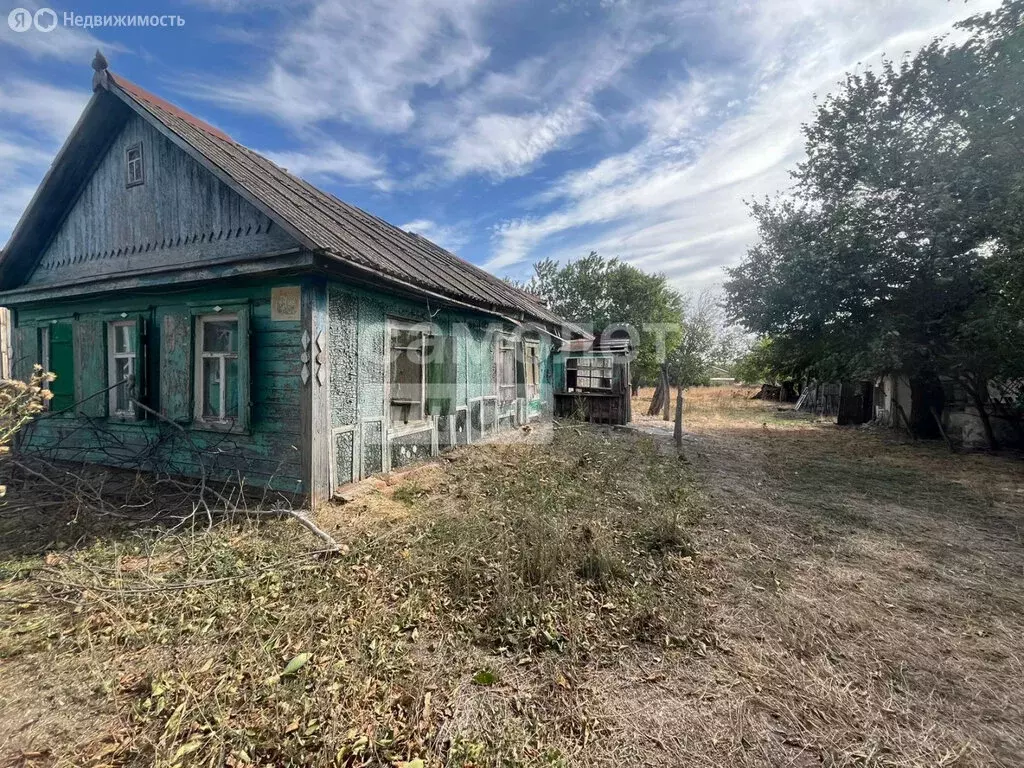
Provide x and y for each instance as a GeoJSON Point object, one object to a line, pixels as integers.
{"type": "Point", "coordinates": [244, 376]}
{"type": "Point", "coordinates": [62, 365]}
{"type": "Point", "coordinates": [442, 374]}
{"type": "Point", "coordinates": [90, 360]}
{"type": "Point", "coordinates": [176, 366]}
{"type": "Point", "coordinates": [25, 351]}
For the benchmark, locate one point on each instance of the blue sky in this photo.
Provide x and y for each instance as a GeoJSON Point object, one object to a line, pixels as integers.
{"type": "Point", "coordinates": [505, 131]}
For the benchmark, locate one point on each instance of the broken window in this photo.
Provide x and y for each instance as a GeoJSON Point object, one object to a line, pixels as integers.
{"type": "Point", "coordinates": [532, 370]}
{"type": "Point", "coordinates": [409, 348]}
{"type": "Point", "coordinates": [506, 369]}
{"type": "Point", "coordinates": [589, 373]}
{"type": "Point", "coordinates": [122, 357]}
{"type": "Point", "coordinates": [217, 362]}
{"type": "Point", "coordinates": [134, 173]}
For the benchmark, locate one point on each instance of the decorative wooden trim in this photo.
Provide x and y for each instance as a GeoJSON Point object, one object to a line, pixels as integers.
{"type": "Point", "coordinates": [315, 409]}
{"type": "Point", "coordinates": [292, 259]}
{"type": "Point", "coordinates": [200, 158]}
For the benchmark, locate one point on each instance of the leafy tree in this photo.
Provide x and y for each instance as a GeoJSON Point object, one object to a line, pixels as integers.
{"type": "Point", "coordinates": [898, 248]}
{"type": "Point", "coordinates": [601, 294]}
{"type": "Point", "coordinates": [690, 363]}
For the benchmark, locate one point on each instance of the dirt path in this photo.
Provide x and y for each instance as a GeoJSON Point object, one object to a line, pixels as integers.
{"type": "Point", "coordinates": [868, 598]}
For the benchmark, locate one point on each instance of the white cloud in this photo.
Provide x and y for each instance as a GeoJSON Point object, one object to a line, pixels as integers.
{"type": "Point", "coordinates": [450, 238]}
{"type": "Point", "coordinates": [331, 160]}
{"type": "Point", "coordinates": [64, 43]}
{"type": "Point", "coordinates": [674, 202]}
{"type": "Point", "coordinates": [42, 106]}
{"type": "Point", "coordinates": [35, 118]}
{"type": "Point", "coordinates": [361, 62]}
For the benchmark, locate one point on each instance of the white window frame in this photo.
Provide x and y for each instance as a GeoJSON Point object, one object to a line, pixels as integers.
{"type": "Point", "coordinates": [201, 355]}
{"type": "Point", "coordinates": [531, 369]}
{"type": "Point", "coordinates": [112, 358]}
{"type": "Point", "coordinates": [505, 344]}
{"type": "Point", "coordinates": [589, 370]}
{"type": "Point", "coordinates": [417, 425]}
{"type": "Point", "coordinates": [130, 179]}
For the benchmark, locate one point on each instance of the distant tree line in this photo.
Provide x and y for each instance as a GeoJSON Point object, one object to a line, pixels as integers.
{"type": "Point", "coordinates": [900, 246]}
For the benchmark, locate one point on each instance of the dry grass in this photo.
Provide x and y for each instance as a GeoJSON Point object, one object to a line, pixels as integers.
{"type": "Point", "coordinates": [459, 627]}
{"type": "Point", "coordinates": [836, 597]}
{"type": "Point", "coordinates": [869, 588]}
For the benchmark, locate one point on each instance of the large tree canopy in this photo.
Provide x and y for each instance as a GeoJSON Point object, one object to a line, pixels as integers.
{"type": "Point", "coordinates": [899, 247]}
{"type": "Point", "coordinates": [600, 293]}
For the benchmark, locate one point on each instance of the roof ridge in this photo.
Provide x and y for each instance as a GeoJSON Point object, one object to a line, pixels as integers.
{"type": "Point", "coordinates": [141, 93]}
{"type": "Point", "coordinates": [333, 225]}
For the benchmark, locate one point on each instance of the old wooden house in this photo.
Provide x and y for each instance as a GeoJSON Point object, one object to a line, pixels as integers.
{"type": "Point", "coordinates": [206, 311]}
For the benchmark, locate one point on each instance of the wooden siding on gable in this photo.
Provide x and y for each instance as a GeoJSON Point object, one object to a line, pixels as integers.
{"type": "Point", "coordinates": [180, 215]}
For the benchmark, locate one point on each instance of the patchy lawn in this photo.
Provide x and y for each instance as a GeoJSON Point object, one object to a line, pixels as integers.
{"type": "Point", "coordinates": [784, 593]}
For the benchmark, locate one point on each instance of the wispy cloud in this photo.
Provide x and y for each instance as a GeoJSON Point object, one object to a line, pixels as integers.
{"type": "Point", "coordinates": [34, 120]}
{"type": "Point", "coordinates": [674, 202]}
{"type": "Point", "coordinates": [451, 238]}
{"type": "Point", "coordinates": [330, 160]}
{"type": "Point", "coordinates": [360, 62]}
{"type": "Point", "coordinates": [62, 43]}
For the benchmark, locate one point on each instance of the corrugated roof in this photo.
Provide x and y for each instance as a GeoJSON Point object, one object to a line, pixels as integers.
{"type": "Point", "coordinates": [336, 227]}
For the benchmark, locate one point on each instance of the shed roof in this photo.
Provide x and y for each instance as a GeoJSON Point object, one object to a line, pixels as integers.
{"type": "Point", "coordinates": [318, 220]}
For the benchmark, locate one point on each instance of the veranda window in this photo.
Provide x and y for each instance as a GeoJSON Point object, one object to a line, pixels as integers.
{"type": "Point", "coordinates": [409, 348]}
{"type": "Point", "coordinates": [589, 373]}
{"type": "Point", "coordinates": [218, 391]}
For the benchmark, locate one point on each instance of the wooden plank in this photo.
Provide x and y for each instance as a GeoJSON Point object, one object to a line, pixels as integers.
{"type": "Point", "coordinates": [90, 367]}
{"type": "Point", "coordinates": [176, 366]}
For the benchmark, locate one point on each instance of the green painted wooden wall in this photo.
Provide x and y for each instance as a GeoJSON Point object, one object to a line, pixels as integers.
{"type": "Point", "coordinates": [357, 340]}
{"type": "Point", "coordinates": [266, 454]}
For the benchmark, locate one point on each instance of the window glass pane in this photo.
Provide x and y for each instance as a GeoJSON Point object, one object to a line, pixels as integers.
{"type": "Point", "coordinates": [122, 371]}
{"type": "Point", "coordinates": [211, 388]}
{"type": "Point", "coordinates": [220, 336]}
{"type": "Point", "coordinates": [123, 336]}
{"type": "Point", "coordinates": [231, 388]}
{"type": "Point", "coordinates": [401, 337]}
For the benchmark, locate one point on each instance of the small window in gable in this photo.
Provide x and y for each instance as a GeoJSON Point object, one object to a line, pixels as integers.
{"type": "Point", "coordinates": [134, 173]}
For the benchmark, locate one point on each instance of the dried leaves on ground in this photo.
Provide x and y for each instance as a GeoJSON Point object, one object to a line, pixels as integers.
{"type": "Point", "coordinates": [785, 592]}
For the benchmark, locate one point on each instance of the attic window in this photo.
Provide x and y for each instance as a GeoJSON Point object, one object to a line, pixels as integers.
{"type": "Point", "coordinates": [134, 175]}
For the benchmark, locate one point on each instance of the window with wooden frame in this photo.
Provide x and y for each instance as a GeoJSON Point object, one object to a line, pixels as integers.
{"type": "Point", "coordinates": [134, 171]}
{"type": "Point", "coordinates": [589, 373]}
{"type": "Point", "coordinates": [218, 378]}
{"type": "Point", "coordinates": [123, 343]}
{"type": "Point", "coordinates": [531, 369]}
{"type": "Point", "coordinates": [408, 351]}
{"type": "Point", "coordinates": [506, 369]}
